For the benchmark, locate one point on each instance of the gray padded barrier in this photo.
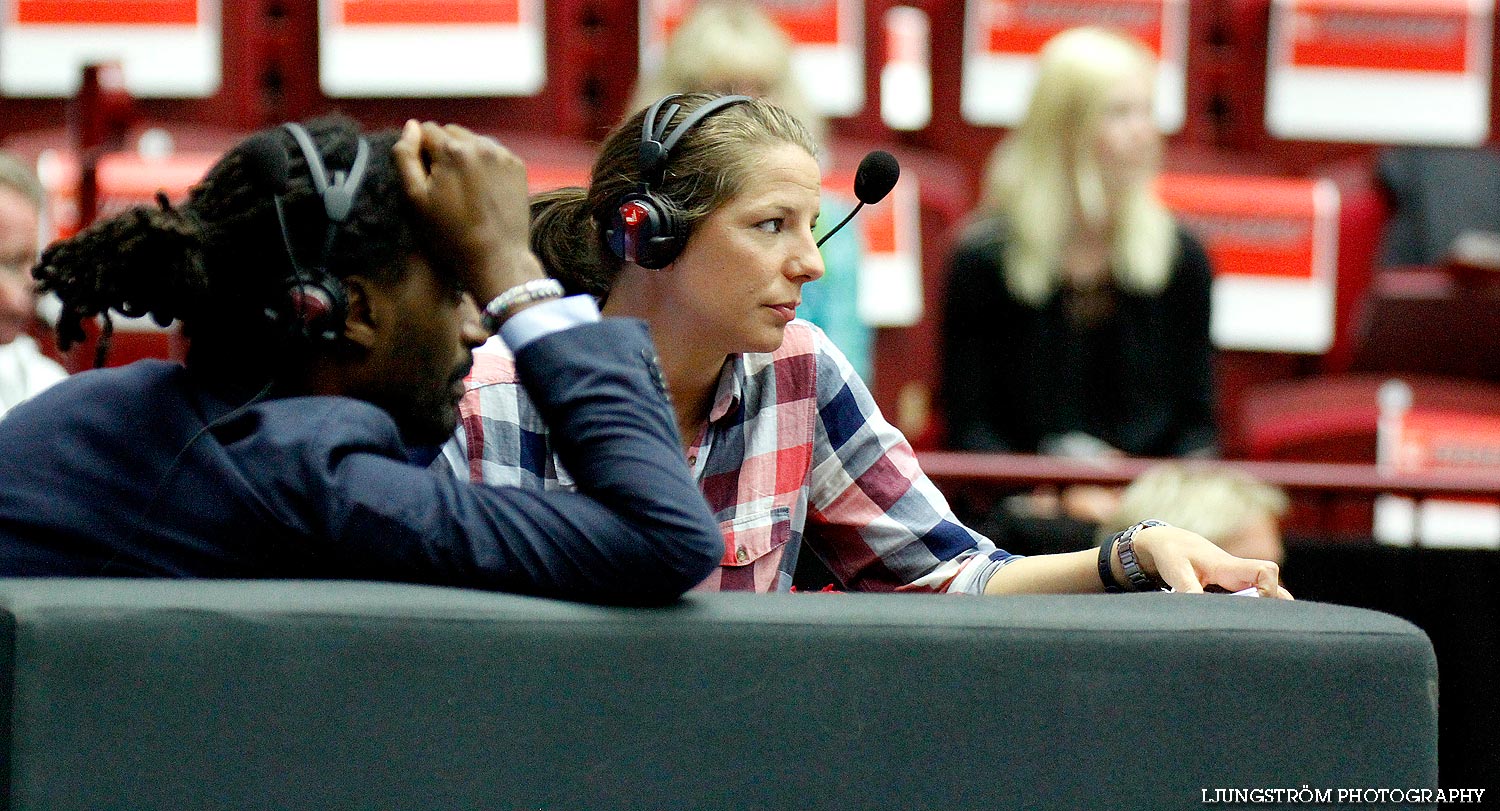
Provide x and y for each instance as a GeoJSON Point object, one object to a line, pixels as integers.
{"type": "Point", "coordinates": [290, 695]}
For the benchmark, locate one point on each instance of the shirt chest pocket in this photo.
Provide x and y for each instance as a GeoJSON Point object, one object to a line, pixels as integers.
{"type": "Point", "coordinates": [753, 547]}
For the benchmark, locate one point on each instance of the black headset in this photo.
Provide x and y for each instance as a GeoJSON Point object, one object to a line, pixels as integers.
{"type": "Point", "coordinates": [643, 228]}
{"type": "Point", "coordinates": [313, 306]}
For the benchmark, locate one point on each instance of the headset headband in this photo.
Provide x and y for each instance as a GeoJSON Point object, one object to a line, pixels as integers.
{"type": "Point", "coordinates": [654, 150]}
{"type": "Point", "coordinates": [338, 190]}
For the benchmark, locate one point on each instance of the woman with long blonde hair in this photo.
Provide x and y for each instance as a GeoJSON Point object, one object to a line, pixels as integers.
{"type": "Point", "coordinates": [1077, 309]}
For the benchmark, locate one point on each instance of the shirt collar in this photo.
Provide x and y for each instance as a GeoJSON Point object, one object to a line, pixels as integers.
{"type": "Point", "coordinates": [730, 392]}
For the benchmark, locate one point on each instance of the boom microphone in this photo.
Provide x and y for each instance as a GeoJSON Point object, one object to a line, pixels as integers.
{"type": "Point", "coordinates": [873, 180]}
{"type": "Point", "coordinates": [876, 176]}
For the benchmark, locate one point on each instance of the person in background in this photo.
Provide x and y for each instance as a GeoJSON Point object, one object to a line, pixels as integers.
{"type": "Point", "coordinates": [699, 219]}
{"type": "Point", "coordinates": [24, 370]}
{"type": "Point", "coordinates": [1076, 318]}
{"type": "Point", "coordinates": [733, 46]}
{"type": "Point", "coordinates": [1238, 512]}
{"type": "Point", "coordinates": [328, 283]}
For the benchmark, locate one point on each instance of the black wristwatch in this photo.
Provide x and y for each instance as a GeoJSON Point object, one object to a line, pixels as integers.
{"type": "Point", "coordinates": [1139, 581]}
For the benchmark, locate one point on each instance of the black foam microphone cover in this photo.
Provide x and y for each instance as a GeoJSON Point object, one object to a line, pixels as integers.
{"type": "Point", "coordinates": [873, 180]}
{"type": "Point", "coordinates": [876, 176]}
{"type": "Point", "coordinates": [268, 158]}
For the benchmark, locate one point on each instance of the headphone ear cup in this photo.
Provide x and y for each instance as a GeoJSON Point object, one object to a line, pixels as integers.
{"type": "Point", "coordinates": [643, 231]}
{"type": "Point", "coordinates": [663, 248]}
{"type": "Point", "coordinates": [317, 308]}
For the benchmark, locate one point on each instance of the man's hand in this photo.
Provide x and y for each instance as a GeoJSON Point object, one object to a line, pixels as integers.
{"type": "Point", "coordinates": [472, 193]}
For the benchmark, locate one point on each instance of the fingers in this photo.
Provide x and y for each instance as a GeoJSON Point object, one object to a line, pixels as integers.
{"type": "Point", "coordinates": [1241, 573]}
{"type": "Point", "coordinates": [1267, 579]}
{"type": "Point", "coordinates": [1187, 586]}
{"type": "Point", "coordinates": [462, 144]}
{"type": "Point", "coordinates": [471, 192]}
{"type": "Point", "coordinates": [1187, 562]}
{"type": "Point", "coordinates": [1175, 556]}
{"type": "Point", "coordinates": [407, 154]}
{"type": "Point", "coordinates": [419, 154]}
{"type": "Point", "coordinates": [443, 147]}
{"type": "Point", "coordinates": [1235, 574]}
{"type": "Point", "coordinates": [442, 164]}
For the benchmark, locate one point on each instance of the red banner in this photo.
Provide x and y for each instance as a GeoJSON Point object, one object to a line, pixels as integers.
{"type": "Point", "coordinates": [1437, 440]}
{"type": "Point", "coordinates": [106, 12]}
{"type": "Point", "coordinates": [430, 12]}
{"type": "Point", "coordinates": [1252, 226]}
{"type": "Point", "coordinates": [1421, 36]}
{"type": "Point", "coordinates": [542, 177]}
{"type": "Point", "coordinates": [877, 223]}
{"type": "Point", "coordinates": [1024, 26]}
{"type": "Point", "coordinates": [124, 179]}
{"type": "Point", "coordinates": [807, 22]}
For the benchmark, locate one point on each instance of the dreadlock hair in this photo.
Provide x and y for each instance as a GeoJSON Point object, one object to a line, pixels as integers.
{"type": "Point", "coordinates": [216, 262]}
{"type": "Point", "coordinates": [710, 165]}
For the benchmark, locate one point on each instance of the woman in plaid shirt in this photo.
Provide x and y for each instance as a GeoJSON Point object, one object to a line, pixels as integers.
{"type": "Point", "coordinates": [703, 227]}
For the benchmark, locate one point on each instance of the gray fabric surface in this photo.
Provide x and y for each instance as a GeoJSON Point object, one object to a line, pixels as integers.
{"type": "Point", "coordinates": [207, 695]}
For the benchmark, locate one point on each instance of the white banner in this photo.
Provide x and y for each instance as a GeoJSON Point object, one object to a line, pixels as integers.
{"type": "Point", "coordinates": [1273, 242]}
{"type": "Point", "coordinates": [1003, 37]}
{"type": "Point", "coordinates": [166, 48]}
{"type": "Point", "coordinates": [1381, 71]}
{"type": "Point", "coordinates": [829, 38]}
{"type": "Point", "coordinates": [431, 47]}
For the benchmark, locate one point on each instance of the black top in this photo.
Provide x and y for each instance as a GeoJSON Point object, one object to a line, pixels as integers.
{"type": "Point", "coordinates": [145, 471]}
{"type": "Point", "coordinates": [1132, 370]}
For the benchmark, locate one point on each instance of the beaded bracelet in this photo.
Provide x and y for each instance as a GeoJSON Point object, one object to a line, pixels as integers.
{"type": "Point", "coordinates": [529, 292]}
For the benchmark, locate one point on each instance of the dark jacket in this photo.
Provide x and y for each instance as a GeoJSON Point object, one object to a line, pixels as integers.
{"type": "Point", "coordinates": [136, 472]}
{"type": "Point", "coordinates": [1013, 375]}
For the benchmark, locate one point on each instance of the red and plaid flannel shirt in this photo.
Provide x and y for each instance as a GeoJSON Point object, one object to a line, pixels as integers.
{"type": "Point", "coordinates": [794, 453]}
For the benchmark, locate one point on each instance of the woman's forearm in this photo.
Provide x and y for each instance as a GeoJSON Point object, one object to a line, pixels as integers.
{"type": "Point", "coordinates": [1065, 573]}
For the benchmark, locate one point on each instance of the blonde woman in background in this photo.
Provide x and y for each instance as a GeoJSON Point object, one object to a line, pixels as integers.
{"type": "Point", "coordinates": [1238, 512]}
{"type": "Point", "coordinates": [727, 46]}
{"type": "Point", "coordinates": [1077, 311]}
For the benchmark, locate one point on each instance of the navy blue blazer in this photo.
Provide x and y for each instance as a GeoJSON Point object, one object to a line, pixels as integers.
{"type": "Point", "coordinates": [122, 472]}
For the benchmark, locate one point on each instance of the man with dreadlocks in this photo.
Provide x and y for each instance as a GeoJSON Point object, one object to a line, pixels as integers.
{"type": "Point", "coordinates": [328, 284]}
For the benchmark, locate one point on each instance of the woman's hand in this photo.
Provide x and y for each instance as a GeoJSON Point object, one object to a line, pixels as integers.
{"type": "Point", "coordinates": [472, 193]}
{"type": "Point", "coordinates": [1187, 562]}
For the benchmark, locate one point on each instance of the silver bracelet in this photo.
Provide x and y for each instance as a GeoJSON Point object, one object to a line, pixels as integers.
{"type": "Point", "coordinates": [500, 306]}
{"type": "Point", "coordinates": [1138, 579]}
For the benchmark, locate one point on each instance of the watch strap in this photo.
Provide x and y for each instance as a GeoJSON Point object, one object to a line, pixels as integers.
{"type": "Point", "coordinates": [1106, 572]}
{"type": "Point", "coordinates": [1137, 578]}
